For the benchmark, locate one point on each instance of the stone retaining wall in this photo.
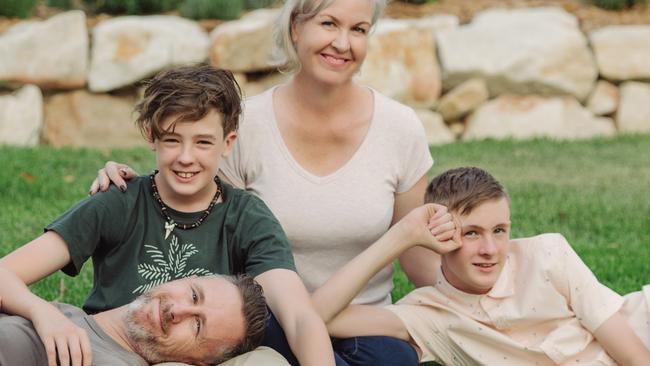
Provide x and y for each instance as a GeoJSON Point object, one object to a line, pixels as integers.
{"type": "Point", "coordinates": [519, 73]}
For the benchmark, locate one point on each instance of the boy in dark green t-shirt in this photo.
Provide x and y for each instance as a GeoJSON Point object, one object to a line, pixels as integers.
{"type": "Point", "coordinates": [179, 221]}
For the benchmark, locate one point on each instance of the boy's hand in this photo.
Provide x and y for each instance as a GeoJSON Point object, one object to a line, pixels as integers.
{"type": "Point", "coordinates": [432, 227]}
{"type": "Point", "coordinates": [63, 340]}
{"type": "Point", "coordinates": [112, 172]}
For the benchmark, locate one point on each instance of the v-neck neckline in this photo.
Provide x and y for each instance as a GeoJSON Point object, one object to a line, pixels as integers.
{"type": "Point", "coordinates": [299, 168]}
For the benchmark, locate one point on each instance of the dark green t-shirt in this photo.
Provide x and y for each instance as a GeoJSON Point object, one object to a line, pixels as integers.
{"type": "Point", "coordinates": [124, 233]}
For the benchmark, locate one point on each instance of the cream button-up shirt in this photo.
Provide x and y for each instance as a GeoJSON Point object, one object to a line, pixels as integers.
{"type": "Point", "coordinates": [542, 310]}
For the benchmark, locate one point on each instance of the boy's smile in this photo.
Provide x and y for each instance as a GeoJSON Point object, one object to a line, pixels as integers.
{"type": "Point", "coordinates": [188, 158]}
{"type": "Point", "coordinates": [475, 267]}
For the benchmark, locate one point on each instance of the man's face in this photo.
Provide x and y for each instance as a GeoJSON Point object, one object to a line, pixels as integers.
{"type": "Point", "coordinates": [188, 320]}
{"type": "Point", "coordinates": [475, 267]}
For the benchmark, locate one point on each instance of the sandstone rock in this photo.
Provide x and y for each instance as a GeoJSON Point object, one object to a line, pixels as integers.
{"type": "Point", "coordinates": [435, 128]}
{"type": "Point", "coordinates": [603, 99]}
{"type": "Point", "coordinates": [83, 119]}
{"type": "Point", "coordinates": [52, 53]}
{"type": "Point", "coordinates": [523, 51]}
{"type": "Point", "coordinates": [21, 117]}
{"type": "Point", "coordinates": [524, 117]}
{"type": "Point", "coordinates": [401, 62]}
{"type": "Point", "coordinates": [463, 99]}
{"type": "Point", "coordinates": [622, 51]}
{"type": "Point", "coordinates": [634, 110]}
{"type": "Point", "coordinates": [128, 49]}
{"type": "Point", "coordinates": [245, 45]}
{"type": "Point", "coordinates": [457, 128]}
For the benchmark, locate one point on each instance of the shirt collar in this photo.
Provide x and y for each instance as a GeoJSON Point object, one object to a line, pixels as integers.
{"type": "Point", "coordinates": [504, 287]}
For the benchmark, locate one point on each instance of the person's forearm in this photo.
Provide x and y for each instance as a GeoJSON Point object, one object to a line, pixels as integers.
{"type": "Point", "coordinates": [307, 339]}
{"type": "Point", "coordinates": [345, 284]}
{"type": "Point", "coordinates": [17, 299]}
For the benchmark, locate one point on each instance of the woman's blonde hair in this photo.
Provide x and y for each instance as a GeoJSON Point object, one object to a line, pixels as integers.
{"type": "Point", "coordinates": [300, 11]}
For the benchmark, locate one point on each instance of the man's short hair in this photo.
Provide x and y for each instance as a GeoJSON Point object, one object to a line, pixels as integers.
{"type": "Point", "coordinates": [189, 93]}
{"type": "Point", "coordinates": [463, 189]}
{"type": "Point", "coordinates": [255, 317]}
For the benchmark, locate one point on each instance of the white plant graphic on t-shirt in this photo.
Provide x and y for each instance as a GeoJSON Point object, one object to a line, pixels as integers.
{"type": "Point", "coordinates": [167, 267]}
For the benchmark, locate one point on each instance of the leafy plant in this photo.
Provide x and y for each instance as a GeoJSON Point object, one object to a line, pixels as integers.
{"type": "Point", "coordinates": [131, 6]}
{"type": "Point", "coordinates": [617, 4]}
{"type": "Point", "coordinates": [61, 4]}
{"type": "Point", "coordinates": [17, 8]}
{"type": "Point", "coordinates": [210, 9]}
{"type": "Point", "coordinates": [257, 4]}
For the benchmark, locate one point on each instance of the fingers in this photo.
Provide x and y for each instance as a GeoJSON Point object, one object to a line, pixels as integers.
{"type": "Point", "coordinates": [94, 188]}
{"type": "Point", "coordinates": [103, 180]}
{"type": "Point", "coordinates": [117, 174]}
{"type": "Point", "coordinates": [62, 351]}
{"type": "Point", "coordinates": [128, 173]}
{"type": "Point", "coordinates": [71, 350]}
{"type": "Point", "coordinates": [50, 350]}
{"type": "Point", "coordinates": [457, 233]}
{"type": "Point", "coordinates": [86, 350]}
{"type": "Point", "coordinates": [442, 223]}
{"type": "Point", "coordinates": [75, 351]}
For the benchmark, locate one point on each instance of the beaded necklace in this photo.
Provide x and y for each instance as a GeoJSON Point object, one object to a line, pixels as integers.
{"type": "Point", "coordinates": [170, 224]}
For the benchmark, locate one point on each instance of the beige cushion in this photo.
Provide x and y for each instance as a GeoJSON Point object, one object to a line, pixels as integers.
{"type": "Point", "coordinates": [261, 356]}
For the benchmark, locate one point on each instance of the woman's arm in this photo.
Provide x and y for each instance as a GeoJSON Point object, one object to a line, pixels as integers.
{"type": "Point", "coordinates": [418, 263]}
{"type": "Point", "coordinates": [367, 320]}
{"type": "Point", "coordinates": [290, 303]}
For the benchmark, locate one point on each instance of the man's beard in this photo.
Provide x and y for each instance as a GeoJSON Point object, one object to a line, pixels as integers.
{"type": "Point", "coordinates": [142, 340]}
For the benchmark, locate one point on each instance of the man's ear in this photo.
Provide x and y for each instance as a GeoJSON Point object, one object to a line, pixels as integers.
{"type": "Point", "coordinates": [228, 142]}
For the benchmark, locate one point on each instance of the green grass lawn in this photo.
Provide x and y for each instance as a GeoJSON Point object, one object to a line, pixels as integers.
{"type": "Point", "coordinates": [594, 192]}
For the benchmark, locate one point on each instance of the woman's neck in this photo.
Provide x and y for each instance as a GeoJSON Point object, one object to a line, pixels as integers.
{"type": "Point", "coordinates": [320, 97]}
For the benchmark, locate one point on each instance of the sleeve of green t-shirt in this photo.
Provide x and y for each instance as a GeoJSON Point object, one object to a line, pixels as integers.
{"type": "Point", "coordinates": [263, 243]}
{"type": "Point", "coordinates": [89, 225]}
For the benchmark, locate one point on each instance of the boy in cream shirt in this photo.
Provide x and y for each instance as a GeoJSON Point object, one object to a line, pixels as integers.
{"type": "Point", "coordinates": [497, 301]}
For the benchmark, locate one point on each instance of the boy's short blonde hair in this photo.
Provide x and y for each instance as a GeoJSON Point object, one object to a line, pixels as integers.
{"type": "Point", "coordinates": [463, 189]}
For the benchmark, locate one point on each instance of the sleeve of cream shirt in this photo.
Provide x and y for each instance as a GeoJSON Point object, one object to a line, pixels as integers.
{"type": "Point", "coordinates": [591, 301]}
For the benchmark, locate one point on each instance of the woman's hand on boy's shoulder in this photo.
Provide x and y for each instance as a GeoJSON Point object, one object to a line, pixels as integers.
{"type": "Point", "coordinates": [112, 173]}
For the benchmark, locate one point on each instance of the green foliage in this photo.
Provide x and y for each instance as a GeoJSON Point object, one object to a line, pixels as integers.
{"type": "Point", "coordinates": [17, 8]}
{"type": "Point", "coordinates": [617, 4]}
{"type": "Point", "coordinates": [212, 9]}
{"type": "Point", "coordinates": [61, 4]}
{"type": "Point", "coordinates": [131, 6]}
{"type": "Point", "coordinates": [257, 4]}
